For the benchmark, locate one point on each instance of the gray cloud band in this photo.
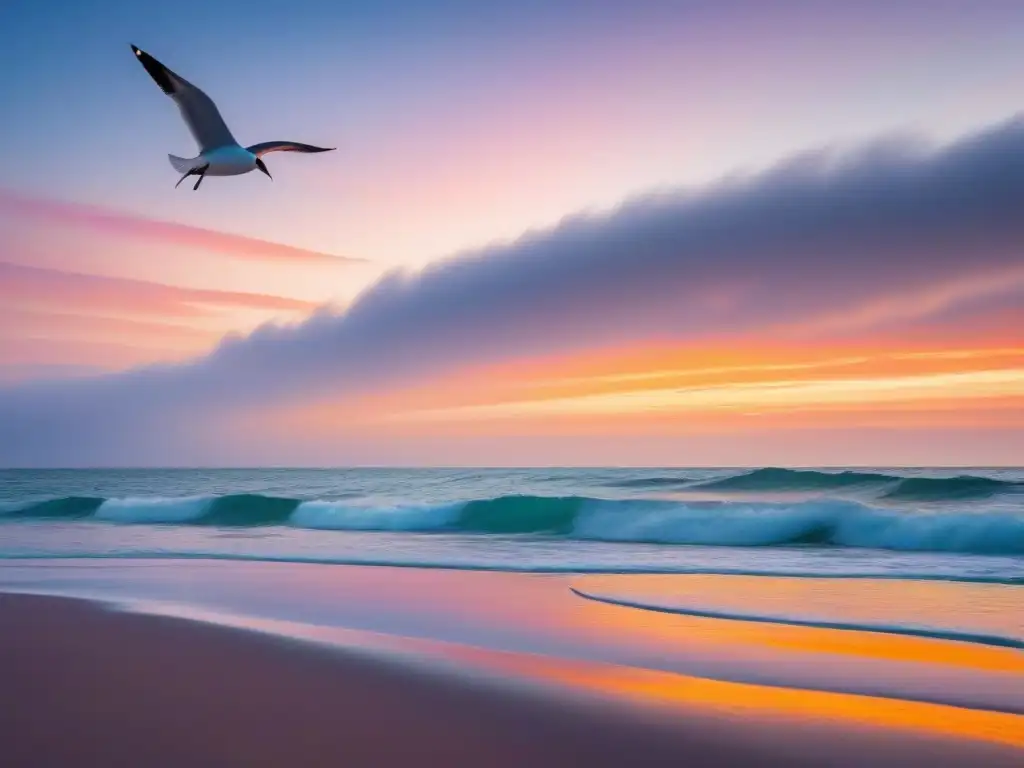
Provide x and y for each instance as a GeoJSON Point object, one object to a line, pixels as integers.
{"type": "Point", "coordinates": [821, 244]}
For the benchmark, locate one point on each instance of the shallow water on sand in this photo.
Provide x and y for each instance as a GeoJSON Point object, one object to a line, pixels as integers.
{"type": "Point", "coordinates": [539, 614]}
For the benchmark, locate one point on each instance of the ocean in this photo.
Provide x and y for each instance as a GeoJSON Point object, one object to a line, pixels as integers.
{"type": "Point", "coordinates": [903, 584]}
{"type": "Point", "coordinates": [964, 525]}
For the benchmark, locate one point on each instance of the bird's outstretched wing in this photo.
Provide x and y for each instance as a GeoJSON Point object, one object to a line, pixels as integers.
{"type": "Point", "coordinates": [285, 146]}
{"type": "Point", "coordinates": [200, 113]}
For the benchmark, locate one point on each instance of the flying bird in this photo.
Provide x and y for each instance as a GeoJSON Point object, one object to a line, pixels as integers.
{"type": "Point", "coordinates": [219, 153]}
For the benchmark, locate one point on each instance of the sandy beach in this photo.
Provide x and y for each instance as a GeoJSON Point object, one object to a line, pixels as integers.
{"type": "Point", "coordinates": [550, 384]}
{"type": "Point", "coordinates": [84, 685]}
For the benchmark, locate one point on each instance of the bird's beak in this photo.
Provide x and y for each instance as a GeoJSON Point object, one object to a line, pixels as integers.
{"type": "Point", "coordinates": [262, 167]}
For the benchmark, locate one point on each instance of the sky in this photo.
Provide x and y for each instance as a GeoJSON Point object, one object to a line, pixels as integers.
{"type": "Point", "coordinates": [672, 232]}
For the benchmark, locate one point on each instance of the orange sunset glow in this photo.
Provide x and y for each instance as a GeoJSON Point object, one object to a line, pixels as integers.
{"type": "Point", "coordinates": [579, 383]}
{"type": "Point", "coordinates": [477, 285]}
{"type": "Point", "coordinates": [681, 390]}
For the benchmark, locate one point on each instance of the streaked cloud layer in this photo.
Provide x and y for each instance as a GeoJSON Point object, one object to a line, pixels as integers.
{"type": "Point", "coordinates": [888, 246]}
{"type": "Point", "coordinates": [88, 288]}
{"type": "Point", "coordinates": [51, 317]}
{"type": "Point", "coordinates": [52, 212]}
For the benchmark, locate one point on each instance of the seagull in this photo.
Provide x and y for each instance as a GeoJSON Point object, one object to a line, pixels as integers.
{"type": "Point", "coordinates": [219, 153]}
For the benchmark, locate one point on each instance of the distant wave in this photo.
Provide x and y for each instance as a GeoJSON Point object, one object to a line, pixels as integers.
{"type": "Point", "coordinates": [725, 523]}
{"type": "Point", "coordinates": [890, 486]}
{"type": "Point", "coordinates": [948, 488]}
{"type": "Point", "coordinates": [651, 482]}
{"type": "Point", "coordinates": [775, 479]}
{"type": "Point", "coordinates": [895, 629]}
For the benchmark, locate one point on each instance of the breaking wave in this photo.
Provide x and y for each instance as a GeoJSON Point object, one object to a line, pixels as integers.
{"type": "Point", "coordinates": [822, 522]}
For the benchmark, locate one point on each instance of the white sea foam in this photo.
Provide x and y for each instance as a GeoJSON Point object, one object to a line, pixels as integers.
{"type": "Point", "coordinates": [336, 515]}
{"type": "Point", "coordinates": [154, 510]}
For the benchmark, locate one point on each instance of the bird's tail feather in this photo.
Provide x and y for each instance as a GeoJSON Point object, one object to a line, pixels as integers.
{"type": "Point", "coordinates": [181, 164]}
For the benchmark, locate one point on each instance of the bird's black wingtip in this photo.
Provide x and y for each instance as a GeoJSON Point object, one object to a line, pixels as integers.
{"type": "Point", "coordinates": [156, 70]}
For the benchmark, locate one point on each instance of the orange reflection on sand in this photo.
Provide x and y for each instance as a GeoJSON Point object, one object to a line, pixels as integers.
{"type": "Point", "coordinates": [743, 699]}
{"type": "Point", "coordinates": [655, 688]}
{"type": "Point", "coordinates": [659, 629]}
{"type": "Point", "coordinates": [647, 687]}
{"type": "Point", "coordinates": [677, 691]}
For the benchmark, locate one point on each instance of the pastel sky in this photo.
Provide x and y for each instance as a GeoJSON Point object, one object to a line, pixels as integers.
{"type": "Point", "coordinates": [669, 232]}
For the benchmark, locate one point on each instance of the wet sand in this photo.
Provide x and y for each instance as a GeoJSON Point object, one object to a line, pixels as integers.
{"type": "Point", "coordinates": [84, 686]}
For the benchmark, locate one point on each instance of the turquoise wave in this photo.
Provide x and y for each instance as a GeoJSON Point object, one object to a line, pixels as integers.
{"type": "Point", "coordinates": [818, 522]}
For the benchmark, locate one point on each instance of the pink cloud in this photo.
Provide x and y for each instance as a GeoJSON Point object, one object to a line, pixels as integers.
{"type": "Point", "coordinates": [56, 290]}
{"type": "Point", "coordinates": [172, 233]}
{"type": "Point", "coordinates": [54, 354]}
{"type": "Point", "coordinates": [885, 240]}
{"type": "Point", "coordinates": [54, 322]}
{"type": "Point", "coordinates": [24, 324]}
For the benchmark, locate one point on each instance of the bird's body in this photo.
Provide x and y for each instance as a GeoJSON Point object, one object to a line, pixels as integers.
{"type": "Point", "coordinates": [222, 161]}
{"type": "Point", "coordinates": [219, 153]}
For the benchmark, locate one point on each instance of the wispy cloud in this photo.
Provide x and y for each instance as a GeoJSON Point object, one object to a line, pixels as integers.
{"type": "Point", "coordinates": [784, 394]}
{"type": "Point", "coordinates": [30, 356]}
{"type": "Point", "coordinates": [92, 217]}
{"type": "Point", "coordinates": [820, 247]}
{"type": "Point", "coordinates": [40, 343]}
{"type": "Point", "coordinates": [20, 323]}
{"type": "Point", "coordinates": [34, 287]}
{"type": "Point", "coordinates": [52, 320]}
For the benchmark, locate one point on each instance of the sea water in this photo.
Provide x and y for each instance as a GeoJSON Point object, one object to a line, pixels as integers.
{"type": "Point", "coordinates": [965, 524]}
{"type": "Point", "coordinates": [668, 569]}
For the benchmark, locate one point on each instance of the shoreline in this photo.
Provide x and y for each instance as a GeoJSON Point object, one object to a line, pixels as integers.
{"type": "Point", "coordinates": [527, 570]}
{"type": "Point", "coordinates": [90, 686]}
